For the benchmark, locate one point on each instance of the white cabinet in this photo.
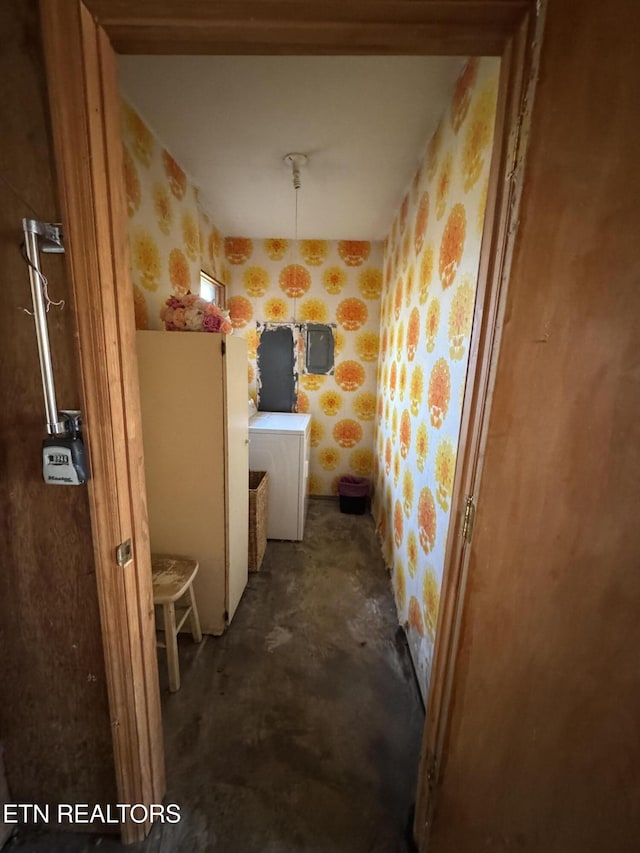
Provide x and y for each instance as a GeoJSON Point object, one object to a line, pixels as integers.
{"type": "Point", "coordinates": [193, 390]}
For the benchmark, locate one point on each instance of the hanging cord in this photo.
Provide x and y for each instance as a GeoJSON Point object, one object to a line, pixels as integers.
{"type": "Point", "coordinates": [295, 161]}
{"type": "Point", "coordinates": [296, 184]}
{"type": "Point", "coordinates": [45, 285]}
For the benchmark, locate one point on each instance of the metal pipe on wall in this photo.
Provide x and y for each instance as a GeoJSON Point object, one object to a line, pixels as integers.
{"type": "Point", "coordinates": [33, 231]}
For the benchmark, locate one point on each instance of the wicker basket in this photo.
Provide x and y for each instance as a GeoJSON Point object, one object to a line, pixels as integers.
{"type": "Point", "coordinates": [258, 498]}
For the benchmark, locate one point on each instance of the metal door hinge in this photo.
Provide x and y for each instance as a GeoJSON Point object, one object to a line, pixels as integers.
{"type": "Point", "coordinates": [469, 518]}
{"type": "Point", "coordinates": [124, 553]}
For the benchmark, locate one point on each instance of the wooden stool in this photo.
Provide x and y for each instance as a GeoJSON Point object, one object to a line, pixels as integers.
{"type": "Point", "coordinates": [173, 579]}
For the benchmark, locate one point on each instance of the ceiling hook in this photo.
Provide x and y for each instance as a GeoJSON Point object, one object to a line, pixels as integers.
{"type": "Point", "coordinates": [295, 161]}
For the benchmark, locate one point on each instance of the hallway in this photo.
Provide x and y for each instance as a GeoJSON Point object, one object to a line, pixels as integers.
{"type": "Point", "coordinates": [300, 729]}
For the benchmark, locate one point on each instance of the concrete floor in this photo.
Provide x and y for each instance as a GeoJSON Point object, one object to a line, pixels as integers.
{"type": "Point", "coordinates": [299, 730]}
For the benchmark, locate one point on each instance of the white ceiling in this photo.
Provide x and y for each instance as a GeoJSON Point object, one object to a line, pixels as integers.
{"type": "Point", "coordinates": [229, 121]}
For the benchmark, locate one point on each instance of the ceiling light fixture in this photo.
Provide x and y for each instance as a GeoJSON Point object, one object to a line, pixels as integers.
{"type": "Point", "coordinates": [295, 162]}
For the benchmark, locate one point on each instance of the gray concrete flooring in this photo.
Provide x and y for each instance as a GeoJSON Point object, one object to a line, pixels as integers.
{"type": "Point", "coordinates": [299, 729]}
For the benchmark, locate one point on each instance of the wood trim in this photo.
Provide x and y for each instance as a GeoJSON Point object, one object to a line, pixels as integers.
{"type": "Point", "coordinates": [517, 82]}
{"type": "Point", "coordinates": [139, 592]}
{"type": "Point", "coordinates": [263, 27]}
{"type": "Point", "coordinates": [79, 65]}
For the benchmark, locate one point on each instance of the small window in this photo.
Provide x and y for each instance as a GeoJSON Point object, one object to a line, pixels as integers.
{"type": "Point", "coordinates": [319, 348]}
{"type": "Point", "coordinates": [212, 290]}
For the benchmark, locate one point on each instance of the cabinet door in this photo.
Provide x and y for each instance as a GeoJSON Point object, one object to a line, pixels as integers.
{"type": "Point", "coordinates": [184, 432]}
{"type": "Point", "coordinates": [237, 474]}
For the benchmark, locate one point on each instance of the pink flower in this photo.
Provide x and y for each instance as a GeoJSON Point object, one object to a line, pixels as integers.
{"type": "Point", "coordinates": [193, 314]}
{"type": "Point", "coordinates": [211, 323]}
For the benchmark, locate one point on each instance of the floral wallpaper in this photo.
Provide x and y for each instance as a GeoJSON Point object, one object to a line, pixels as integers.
{"type": "Point", "coordinates": [430, 273]}
{"type": "Point", "coordinates": [171, 236]}
{"type": "Point", "coordinates": [403, 313]}
{"type": "Point", "coordinates": [320, 281]}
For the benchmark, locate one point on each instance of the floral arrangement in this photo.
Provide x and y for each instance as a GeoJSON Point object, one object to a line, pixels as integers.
{"type": "Point", "coordinates": [191, 313]}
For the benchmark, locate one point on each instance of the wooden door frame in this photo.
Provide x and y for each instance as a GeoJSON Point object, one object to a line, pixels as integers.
{"type": "Point", "coordinates": [518, 78]}
{"type": "Point", "coordinates": [83, 104]}
{"type": "Point", "coordinates": [84, 107]}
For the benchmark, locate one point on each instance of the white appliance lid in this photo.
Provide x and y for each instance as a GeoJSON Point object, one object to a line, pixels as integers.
{"type": "Point", "coordinates": [280, 422]}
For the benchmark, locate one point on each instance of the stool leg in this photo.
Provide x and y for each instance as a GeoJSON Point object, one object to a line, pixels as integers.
{"type": "Point", "coordinates": [171, 641]}
{"type": "Point", "coordinates": [194, 618]}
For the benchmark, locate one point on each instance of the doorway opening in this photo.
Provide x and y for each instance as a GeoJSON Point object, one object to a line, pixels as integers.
{"type": "Point", "coordinates": [403, 312]}
{"type": "Point", "coordinates": [509, 100]}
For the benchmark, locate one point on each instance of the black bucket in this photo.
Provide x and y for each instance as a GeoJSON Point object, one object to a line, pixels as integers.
{"type": "Point", "coordinates": [354, 494]}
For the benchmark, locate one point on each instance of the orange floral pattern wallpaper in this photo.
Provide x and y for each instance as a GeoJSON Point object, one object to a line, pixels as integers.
{"type": "Point", "coordinates": [430, 272]}
{"type": "Point", "coordinates": [403, 313]}
{"type": "Point", "coordinates": [171, 236]}
{"type": "Point", "coordinates": [318, 281]}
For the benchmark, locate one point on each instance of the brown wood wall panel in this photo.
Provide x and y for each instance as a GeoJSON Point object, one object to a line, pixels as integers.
{"type": "Point", "coordinates": [54, 718]}
{"type": "Point", "coordinates": [544, 746]}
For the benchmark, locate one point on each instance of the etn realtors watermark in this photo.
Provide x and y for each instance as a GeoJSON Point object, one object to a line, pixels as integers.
{"type": "Point", "coordinates": [86, 813]}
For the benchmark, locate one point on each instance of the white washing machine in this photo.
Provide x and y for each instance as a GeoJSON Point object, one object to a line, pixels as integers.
{"type": "Point", "coordinates": [279, 443]}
